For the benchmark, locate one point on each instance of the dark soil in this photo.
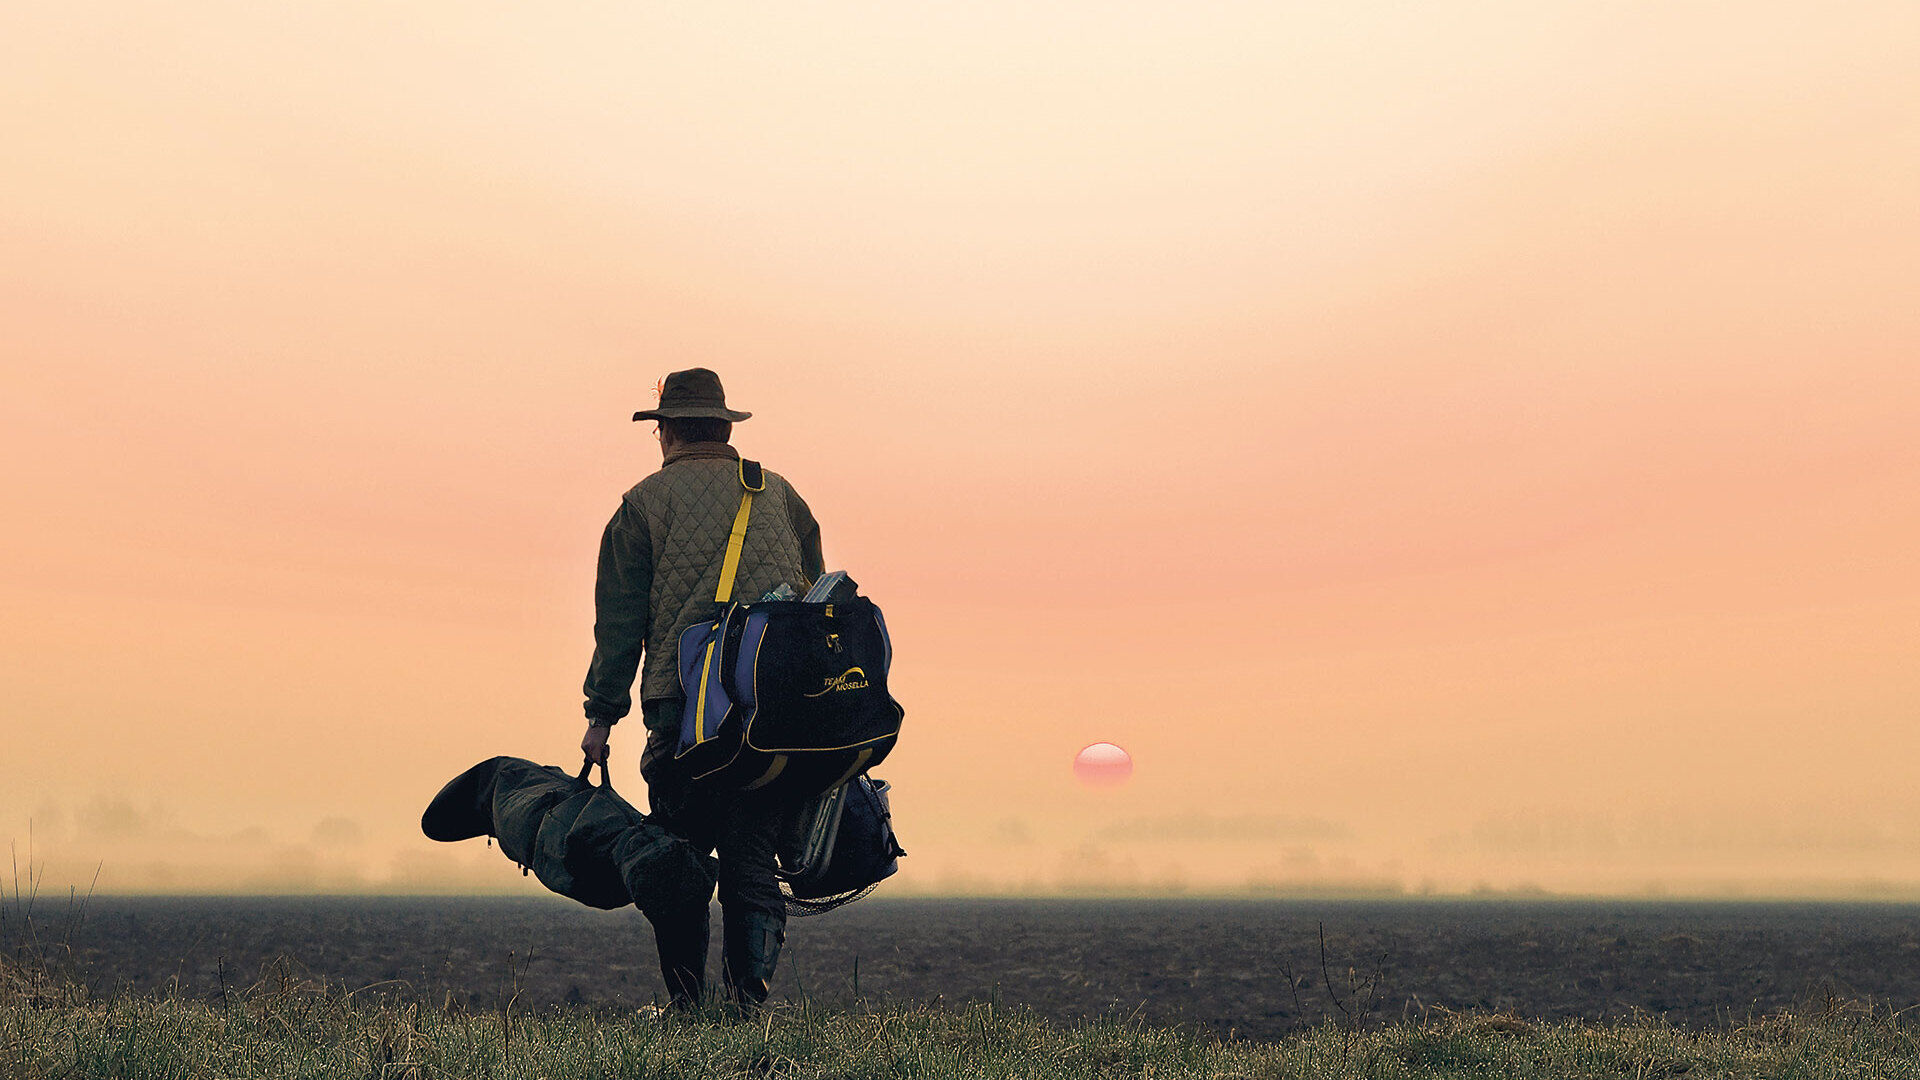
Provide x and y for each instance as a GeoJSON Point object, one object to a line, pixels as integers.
{"type": "Point", "coordinates": [1222, 964]}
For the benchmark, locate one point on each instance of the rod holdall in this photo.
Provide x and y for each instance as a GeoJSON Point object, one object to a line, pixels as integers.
{"type": "Point", "coordinates": [582, 840]}
{"type": "Point", "coordinates": [785, 696]}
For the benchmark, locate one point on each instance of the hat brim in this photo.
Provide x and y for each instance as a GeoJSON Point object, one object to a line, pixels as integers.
{"type": "Point", "coordinates": [693, 412]}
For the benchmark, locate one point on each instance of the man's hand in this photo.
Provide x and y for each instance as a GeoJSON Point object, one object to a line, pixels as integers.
{"type": "Point", "coordinates": [594, 743]}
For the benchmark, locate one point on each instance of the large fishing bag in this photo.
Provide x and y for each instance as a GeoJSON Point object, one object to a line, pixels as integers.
{"type": "Point", "coordinates": [785, 696]}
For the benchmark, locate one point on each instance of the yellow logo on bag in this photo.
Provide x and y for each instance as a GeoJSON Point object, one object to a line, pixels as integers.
{"type": "Point", "coordinates": [851, 679]}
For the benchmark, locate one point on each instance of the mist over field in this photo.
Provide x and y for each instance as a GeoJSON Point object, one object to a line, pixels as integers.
{"type": "Point", "coordinates": [1187, 855]}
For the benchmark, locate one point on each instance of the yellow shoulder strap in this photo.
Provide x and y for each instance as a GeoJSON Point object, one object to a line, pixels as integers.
{"type": "Point", "coordinates": [751, 481]}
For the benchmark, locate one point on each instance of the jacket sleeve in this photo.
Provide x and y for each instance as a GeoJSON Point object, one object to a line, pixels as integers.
{"type": "Point", "coordinates": [812, 563]}
{"type": "Point", "coordinates": [620, 607]}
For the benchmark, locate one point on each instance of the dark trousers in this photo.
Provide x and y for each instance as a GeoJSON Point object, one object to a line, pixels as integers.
{"type": "Point", "coordinates": [743, 832]}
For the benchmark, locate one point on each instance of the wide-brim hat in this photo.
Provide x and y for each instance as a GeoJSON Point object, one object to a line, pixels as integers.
{"type": "Point", "coordinates": [693, 393]}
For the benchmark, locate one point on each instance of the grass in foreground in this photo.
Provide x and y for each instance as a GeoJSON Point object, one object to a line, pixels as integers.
{"type": "Point", "coordinates": [290, 1029]}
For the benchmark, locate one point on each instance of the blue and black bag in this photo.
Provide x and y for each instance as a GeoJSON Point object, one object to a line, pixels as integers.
{"type": "Point", "coordinates": [785, 696]}
{"type": "Point", "coordinates": [839, 847]}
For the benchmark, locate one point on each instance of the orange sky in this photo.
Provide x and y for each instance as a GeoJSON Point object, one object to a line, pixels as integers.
{"type": "Point", "coordinates": [1451, 447]}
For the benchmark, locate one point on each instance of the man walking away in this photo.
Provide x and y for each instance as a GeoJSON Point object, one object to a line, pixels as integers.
{"type": "Point", "coordinates": [660, 565]}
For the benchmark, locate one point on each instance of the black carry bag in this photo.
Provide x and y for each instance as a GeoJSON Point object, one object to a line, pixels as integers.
{"type": "Point", "coordinates": [785, 696]}
{"type": "Point", "coordinates": [581, 840]}
{"type": "Point", "coordinates": [838, 847]}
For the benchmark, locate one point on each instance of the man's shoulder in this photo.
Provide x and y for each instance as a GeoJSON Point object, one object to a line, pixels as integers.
{"type": "Point", "coordinates": [694, 476]}
{"type": "Point", "coordinates": [637, 494]}
{"type": "Point", "coordinates": [699, 470]}
{"type": "Point", "coordinates": [784, 489]}
{"type": "Point", "coordinates": [775, 479]}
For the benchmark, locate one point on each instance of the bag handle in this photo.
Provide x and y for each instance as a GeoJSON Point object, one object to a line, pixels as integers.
{"type": "Point", "coordinates": [587, 767]}
{"type": "Point", "coordinates": [752, 480]}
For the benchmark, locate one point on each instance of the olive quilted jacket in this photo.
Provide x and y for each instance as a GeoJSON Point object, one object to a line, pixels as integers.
{"type": "Point", "coordinates": [660, 564]}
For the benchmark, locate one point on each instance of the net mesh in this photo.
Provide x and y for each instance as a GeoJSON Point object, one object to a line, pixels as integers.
{"type": "Point", "coordinates": [799, 908]}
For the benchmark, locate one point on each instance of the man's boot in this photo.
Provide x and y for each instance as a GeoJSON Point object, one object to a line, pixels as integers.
{"type": "Point", "coordinates": [749, 949]}
{"type": "Point", "coordinates": [682, 941]}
